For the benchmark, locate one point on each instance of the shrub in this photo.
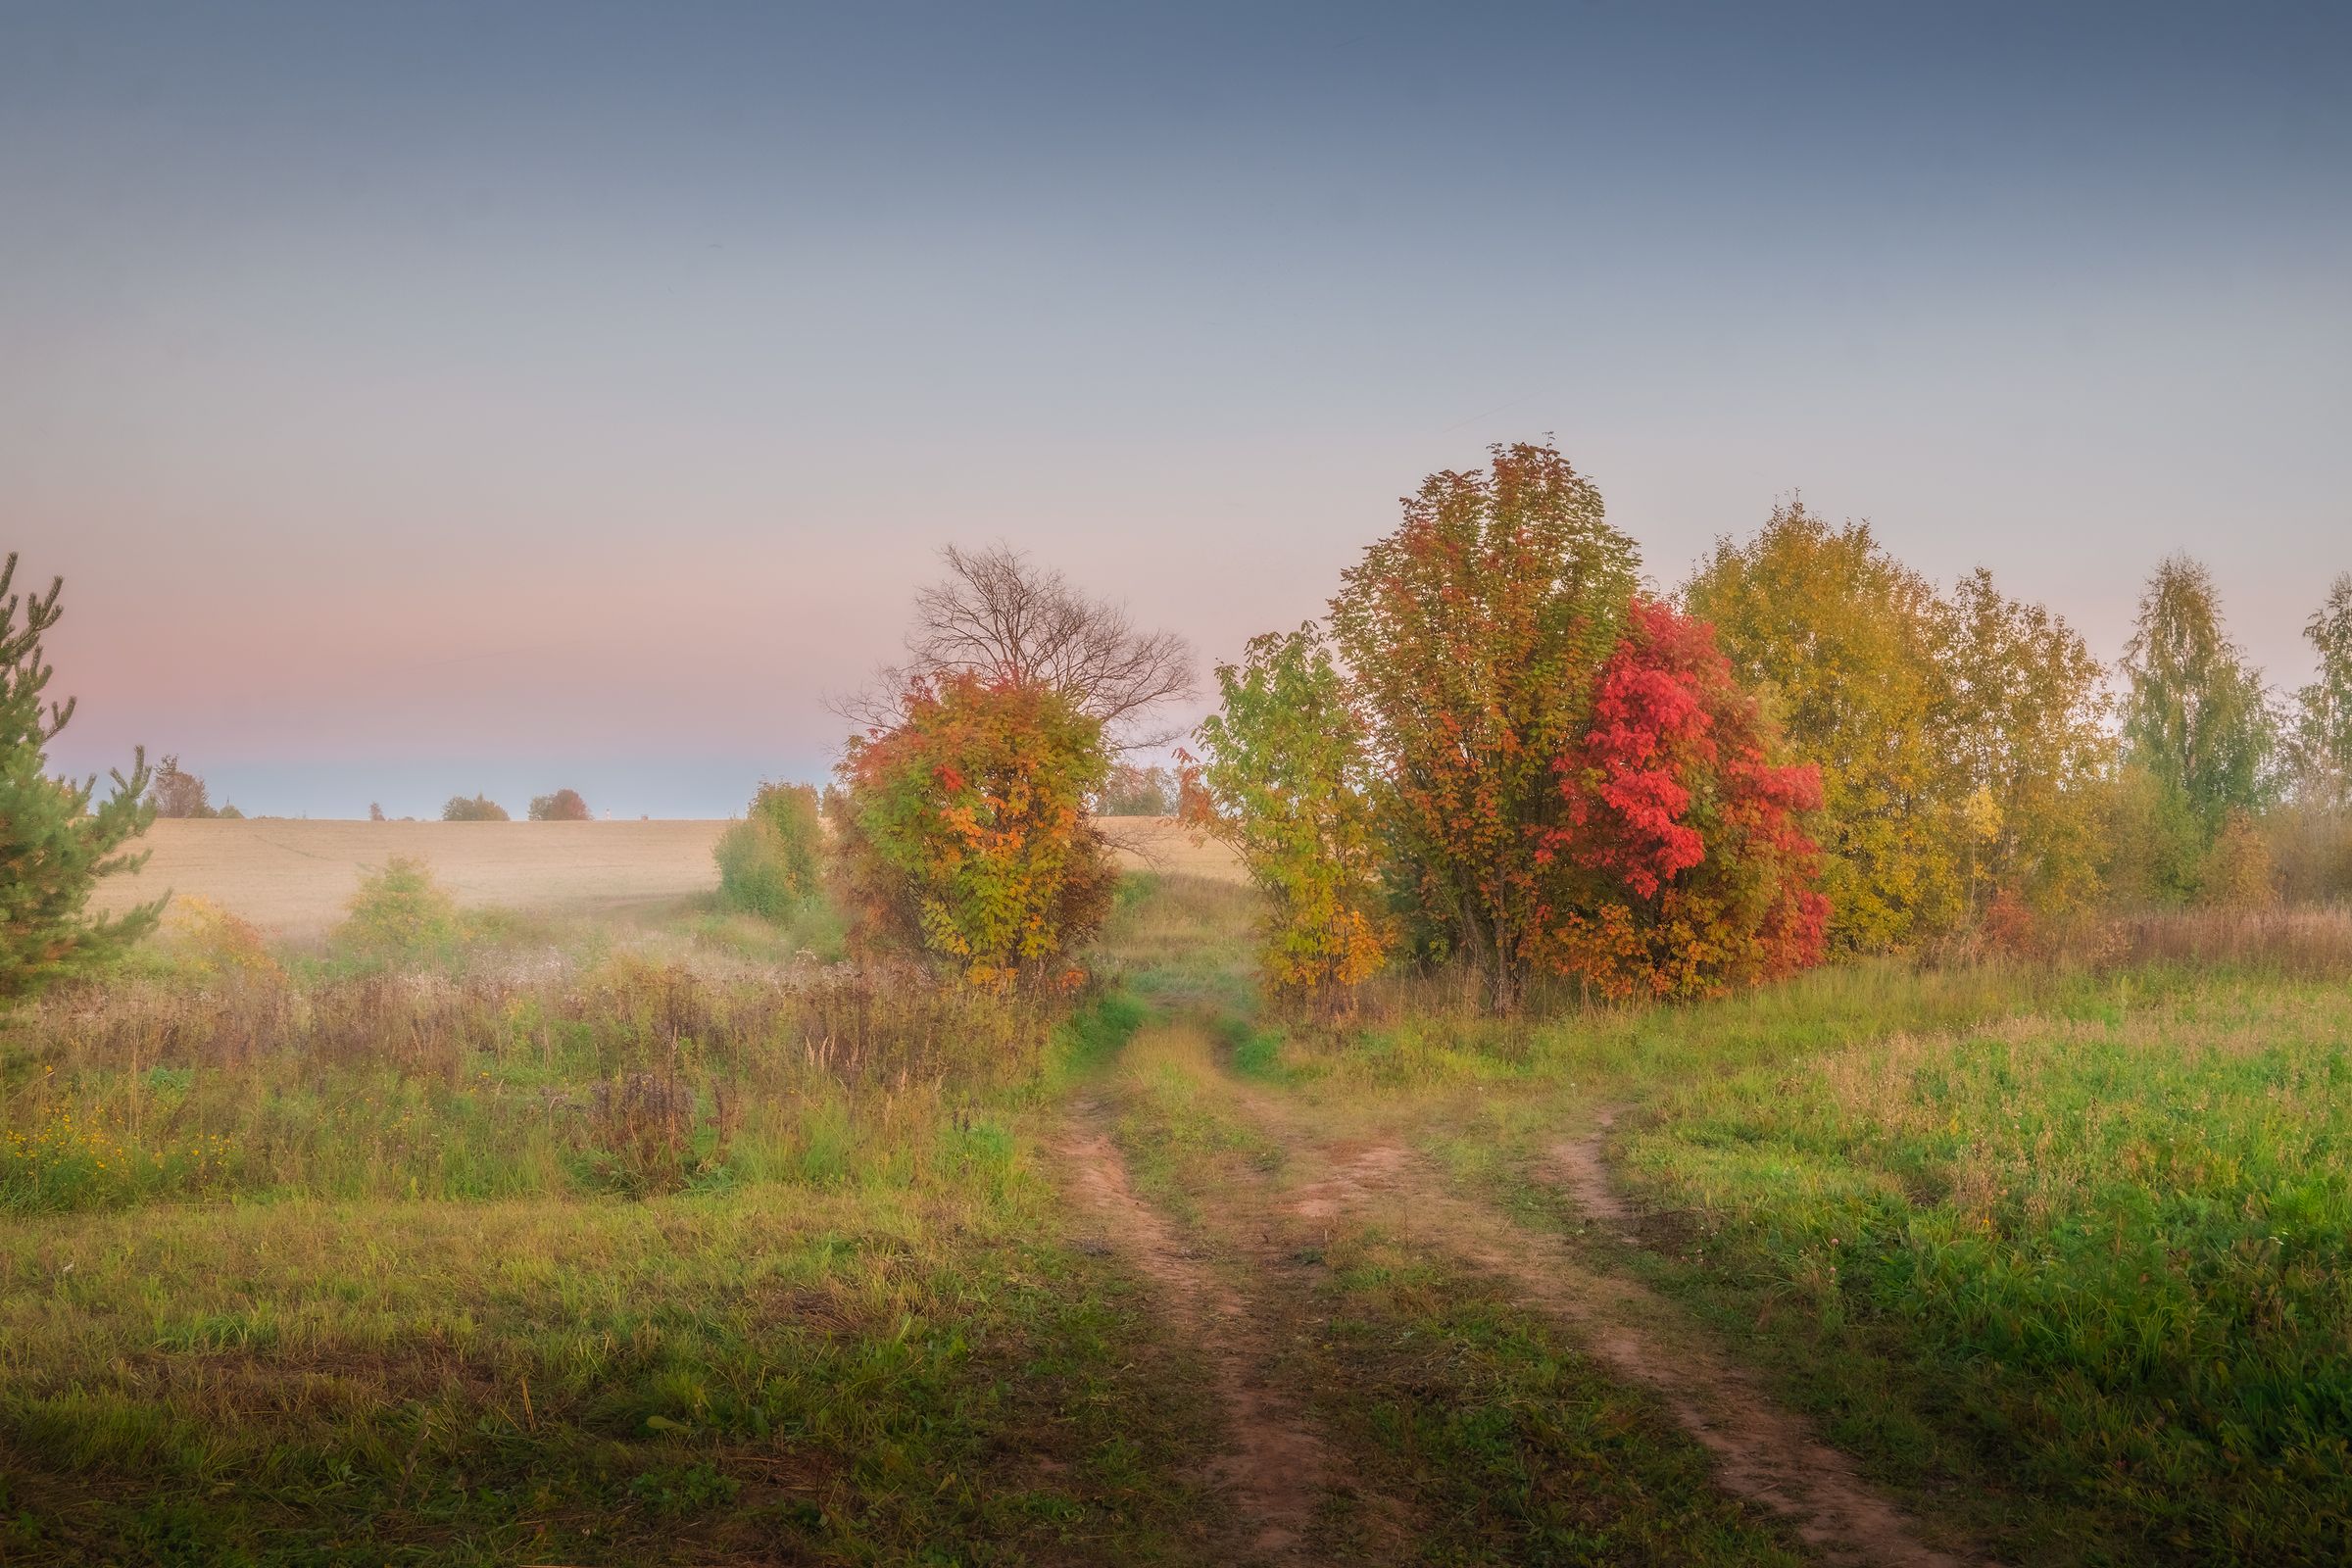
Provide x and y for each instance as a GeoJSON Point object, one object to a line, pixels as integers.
{"type": "Point", "coordinates": [400, 915]}
{"type": "Point", "coordinates": [650, 1135]}
{"type": "Point", "coordinates": [1285, 779]}
{"type": "Point", "coordinates": [966, 832]}
{"type": "Point", "coordinates": [563, 805]}
{"type": "Point", "coordinates": [480, 808]}
{"type": "Point", "coordinates": [177, 792]}
{"type": "Point", "coordinates": [1473, 633]}
{"type": "Point", "coordinates": [772, 863]}
{"type": "Point", "coordinates": [2237, 872]}
{"type": "Point", "coordinates": [1856, 647]}
{"type": "Point", "coordinates": [1680, 869]}
{"type": "Point", "coordinates": [218, 945]}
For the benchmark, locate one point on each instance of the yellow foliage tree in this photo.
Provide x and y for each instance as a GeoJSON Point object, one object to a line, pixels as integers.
{"type": "Point", "coordinates": [1847, 645]}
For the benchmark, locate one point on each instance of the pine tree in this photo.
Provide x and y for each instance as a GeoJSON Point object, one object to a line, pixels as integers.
{"type": "Point", "coordinates": [53, 846]}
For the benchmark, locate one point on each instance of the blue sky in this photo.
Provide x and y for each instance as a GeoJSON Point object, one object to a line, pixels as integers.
{"type": "Point", "coordinates": [429, 399]}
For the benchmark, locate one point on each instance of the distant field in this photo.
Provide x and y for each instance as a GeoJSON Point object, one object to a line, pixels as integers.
{"type": "Point", "coordinates": [294, 877]}
{"type": "Point", "coordinates": [1161, 843]}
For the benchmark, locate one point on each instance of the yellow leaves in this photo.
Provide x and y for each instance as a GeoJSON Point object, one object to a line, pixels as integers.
{"type": "Point", "coordinates": [1980, 815]}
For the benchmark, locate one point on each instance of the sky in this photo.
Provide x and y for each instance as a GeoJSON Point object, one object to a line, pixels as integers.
{"type": "Point", "coordinates": [427, 399]}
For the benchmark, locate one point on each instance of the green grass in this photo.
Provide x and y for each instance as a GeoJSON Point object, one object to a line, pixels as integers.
{"type": "Point", "coordinates": [2103, 1250]}
{"type": "Point", "coordinates": [2059, 1251]}
{"type": "Point", "coordinates": [666, 1241]}
{"type": "Point", "coordinates": [832, 1377]}
{"type": "Point", "coordinates": [1464, 1429]}
{"type": "Point", "coordinates": [634, 1249]}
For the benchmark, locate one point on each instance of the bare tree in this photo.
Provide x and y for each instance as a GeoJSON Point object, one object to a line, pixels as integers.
{"type": "Point", "coordinates": [1000, 615]}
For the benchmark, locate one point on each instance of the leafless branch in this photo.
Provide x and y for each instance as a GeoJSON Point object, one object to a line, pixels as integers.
{"type": "Point", "coordinates": [998, 616]}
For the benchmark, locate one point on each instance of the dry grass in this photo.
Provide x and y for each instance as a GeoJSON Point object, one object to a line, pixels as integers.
{"type": "Point", "coordinates": [1162, 843]}
{"type": "Point", "coordinates": [294, 878]}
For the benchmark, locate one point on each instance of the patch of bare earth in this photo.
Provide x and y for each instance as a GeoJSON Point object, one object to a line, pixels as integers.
{"type": "Point", "coordinates": [1278, 1469]}
{"type": "Point", "coordinates": [1581, 1166]}
{"type": "Point", "coordinates": [1762, 1452]}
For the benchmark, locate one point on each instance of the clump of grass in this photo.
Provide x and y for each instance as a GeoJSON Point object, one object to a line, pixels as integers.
{"type": "Point", "coordinates": [2307, 941]}
{"type": "Point", "coordinates": [1089, 1040]}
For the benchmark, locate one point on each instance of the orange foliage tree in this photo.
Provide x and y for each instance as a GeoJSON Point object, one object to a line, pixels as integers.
{"type": "Point", "coordinates": [964, 829]}
{"type": "Point", "coordinates": [1473, 634]}
{"type": "Point", "coordinates": [1681, 865]}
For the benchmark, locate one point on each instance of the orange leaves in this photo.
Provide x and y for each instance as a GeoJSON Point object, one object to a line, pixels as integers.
{"type": "Point", "coordinates": [964, 831]}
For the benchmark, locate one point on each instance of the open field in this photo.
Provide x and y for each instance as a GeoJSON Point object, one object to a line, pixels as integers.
{"type": "Point", "coordinates": [668, 1246]}
{"type": "Point", "coordinates": [294, 877]}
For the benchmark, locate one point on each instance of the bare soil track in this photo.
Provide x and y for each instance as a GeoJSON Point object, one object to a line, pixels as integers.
{"type": "Point", "coordinates": [1278, 1468]}
{"type": "Point", "coordinates": [1763, 1452]}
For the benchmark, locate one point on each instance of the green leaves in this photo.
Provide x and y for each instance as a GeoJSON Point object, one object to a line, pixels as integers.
{"type": "Point", "coordinates": [53, 845]}
{"type": "Point", "coordinates": [1284, 778]}
{"type": "Point", "coordinates": [2196, 718]}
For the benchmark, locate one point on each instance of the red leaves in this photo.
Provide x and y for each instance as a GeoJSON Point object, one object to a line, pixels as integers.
{"type": "Point", "coordinates": [1699, 873]}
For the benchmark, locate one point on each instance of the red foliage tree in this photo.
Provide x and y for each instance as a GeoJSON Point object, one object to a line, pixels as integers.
{"type": "Point", "coordinates": [1680, 866]}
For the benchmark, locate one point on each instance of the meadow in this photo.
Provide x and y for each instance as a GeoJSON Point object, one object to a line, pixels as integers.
{"type": "Point", "coordinates": [660, 1234]}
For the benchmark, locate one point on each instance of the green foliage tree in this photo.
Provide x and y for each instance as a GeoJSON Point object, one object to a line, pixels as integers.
{"type": "Point", "coordinates": [2197, 723]}
{"type": "Point", "coordinates": [53, 845]}
{"type": "Point", "coordinates": [479, 809]}
{"type": "Point", "coordinates": [563, 806]}
{"type": "Point", "coordinates": [2027, 735]}
{"type": "Point", "coordinates": [1285, 778]}
{"type": "Point", "coordinates": [1845, 645]}
{"type": "Point", "coordinates": [772, 863]}
{"type": "Point", "coordinates": [966, 831]}
{"type": "Point", "coordinates": [2321, 744]}
{"type": "Point", "coordinates": [1473, 633]}
{"type": "Point", "coordinates": [1135, 791]}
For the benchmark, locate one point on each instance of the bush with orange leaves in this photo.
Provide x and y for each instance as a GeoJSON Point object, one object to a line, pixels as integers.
{"type": "Point", "coordinates": [964, 831]}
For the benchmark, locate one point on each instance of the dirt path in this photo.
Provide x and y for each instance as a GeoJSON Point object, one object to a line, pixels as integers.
{"type": "Point", "coordinates": [1581, 1166]}
{"type": "Point", "coordinates": [1279, 1468]}
{"type": "Point", "coordinates": [1763, 1452]}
